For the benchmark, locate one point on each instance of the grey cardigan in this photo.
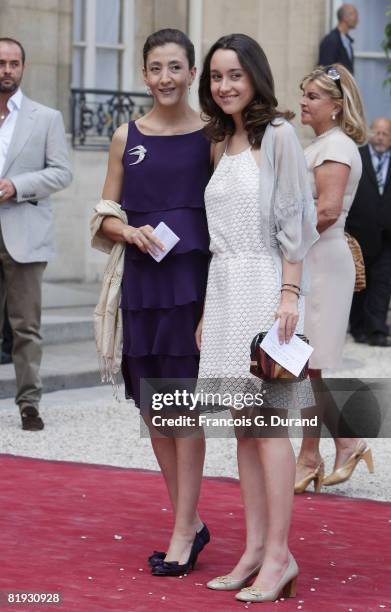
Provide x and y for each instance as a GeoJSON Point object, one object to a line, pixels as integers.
{"type": "Point", "coordinates": [288, 213]}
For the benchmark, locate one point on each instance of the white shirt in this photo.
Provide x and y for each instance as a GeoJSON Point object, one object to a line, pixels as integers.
{"type": "Point", "coordinates": [375, 162]}
{"type": "Point", "coordinates": [8, 127]}
{"type": "Point", "coordinates": [347, 43]}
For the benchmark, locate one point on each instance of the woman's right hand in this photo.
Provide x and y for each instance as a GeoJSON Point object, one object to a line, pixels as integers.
{"type": "Point", "coordinates": [143, 239]}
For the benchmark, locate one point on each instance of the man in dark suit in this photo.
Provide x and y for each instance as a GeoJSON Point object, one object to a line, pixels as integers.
{"type": "Point", "coordinates": [369, 221]}
{"type": "Point", "coordinates": [337, 46]}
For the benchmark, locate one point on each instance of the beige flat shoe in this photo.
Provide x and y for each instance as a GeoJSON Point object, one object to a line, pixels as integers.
{"type": "Point", "coordinates": [286, 587]}
{"type": "Point", "coordinates": [346, 470]}
{"type": "Point", "coordinates": [227, 583]}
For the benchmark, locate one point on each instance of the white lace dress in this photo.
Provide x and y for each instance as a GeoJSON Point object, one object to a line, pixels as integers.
{"type": "Point", "coordinates": [243, 289]}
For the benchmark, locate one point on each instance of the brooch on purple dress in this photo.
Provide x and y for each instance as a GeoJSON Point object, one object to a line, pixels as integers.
{"type": "Point", "coordinates": [140, 151]}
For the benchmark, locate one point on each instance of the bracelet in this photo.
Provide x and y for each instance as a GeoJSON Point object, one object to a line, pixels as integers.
{"type": "Point", "coordinates": [291, 291]}
{"type": "Point", "coordinates": [290, 285]}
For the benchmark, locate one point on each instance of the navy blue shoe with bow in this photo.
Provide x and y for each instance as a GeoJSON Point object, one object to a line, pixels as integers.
{"type": "Point", "coordinates": [202, 538]}
{"type": "Point", "coordinates": [173, 568]}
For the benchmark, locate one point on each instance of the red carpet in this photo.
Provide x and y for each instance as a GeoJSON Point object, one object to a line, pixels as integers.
{"type": "Point", "coordinates": [58, 523]}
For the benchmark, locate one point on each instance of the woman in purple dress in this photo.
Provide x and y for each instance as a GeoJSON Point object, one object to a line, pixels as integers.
{"type": "Point", "coordinates": [158, 169]}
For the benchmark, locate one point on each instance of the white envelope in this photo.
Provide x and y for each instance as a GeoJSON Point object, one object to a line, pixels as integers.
{"type": "Point", "coordinates": [167, 237]}
{"type": "Point", "coordinates": [292, 356]}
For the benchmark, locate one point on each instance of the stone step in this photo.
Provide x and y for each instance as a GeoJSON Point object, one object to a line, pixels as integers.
{"type": "Point", "coordinates": [68, 294]}
{"type": "Point", "coordinates": [63, 325]}
{"type": "Point", "coordinates": [64, 366]}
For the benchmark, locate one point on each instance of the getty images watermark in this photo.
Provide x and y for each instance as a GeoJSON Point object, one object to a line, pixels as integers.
{"type": "Point", "coordinates": [195, 402]}
{"type": "Point", "coordinates": [342, 407]}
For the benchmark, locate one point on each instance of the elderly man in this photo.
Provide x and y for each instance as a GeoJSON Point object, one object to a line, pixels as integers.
{"type": "Point", "coordinates": [34, 163]}
{"type": "Point", "coordinates": [337, 46]}
{"type": "Point", "coordinates": [369, 221]}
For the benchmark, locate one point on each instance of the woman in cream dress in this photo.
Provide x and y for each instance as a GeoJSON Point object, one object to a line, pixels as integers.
{"type": "Point", "coordinates": [261, 220]}
{"type": "Point", "coordinates": [331, 266]}
{"type": "Point", "coordinates": [331, 105]}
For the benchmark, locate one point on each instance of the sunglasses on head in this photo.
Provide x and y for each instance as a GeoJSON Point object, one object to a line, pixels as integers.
{"type": "Point", "coordinates": [333, 74]}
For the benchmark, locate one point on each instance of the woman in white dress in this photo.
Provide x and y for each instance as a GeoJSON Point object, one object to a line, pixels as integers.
{"type": "Point", "coordinates": [331, 105]}
{"type": "Point", "coordinates": [261, 221]}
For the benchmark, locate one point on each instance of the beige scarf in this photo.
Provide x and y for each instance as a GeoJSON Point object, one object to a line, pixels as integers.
{"type": "Point", "coordinates": [107, 314]}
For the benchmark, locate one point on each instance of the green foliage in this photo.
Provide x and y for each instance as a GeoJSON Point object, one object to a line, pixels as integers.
{"type": "Point", "coordinates": [386, 44]}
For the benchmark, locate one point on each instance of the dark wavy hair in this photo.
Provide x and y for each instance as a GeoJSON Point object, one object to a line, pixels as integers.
{"type": "Point", "coordinates": [169, 35]}
{"type": "Point", "coordinates": [263, 107]}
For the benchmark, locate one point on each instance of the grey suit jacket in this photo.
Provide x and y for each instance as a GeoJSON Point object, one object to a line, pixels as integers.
{"type": "Point", "coordinates": [38, 164]}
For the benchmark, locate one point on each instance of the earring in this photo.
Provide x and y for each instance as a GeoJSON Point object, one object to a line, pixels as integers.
{"type": "Point", "coordinates": [333, 116]}
{"type": "Point", "coordinates": [148, 90]}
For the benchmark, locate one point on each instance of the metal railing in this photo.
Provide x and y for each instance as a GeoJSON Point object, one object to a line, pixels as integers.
{"type": "Point", "coordinates": [96, 114]}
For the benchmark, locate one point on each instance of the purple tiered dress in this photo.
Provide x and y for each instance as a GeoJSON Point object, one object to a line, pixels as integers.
{"type": "Point", "coordinates": [162, 302]}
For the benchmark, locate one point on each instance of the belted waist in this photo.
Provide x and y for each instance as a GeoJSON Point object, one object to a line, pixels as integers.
{"type": "Point", "coordinates": [245, 255]}
{"type": "Point", "coordinates": [333, 232]}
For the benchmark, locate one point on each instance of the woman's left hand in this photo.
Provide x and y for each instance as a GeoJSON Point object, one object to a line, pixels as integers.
{"type": "Point", "coordinates": [288, 314]}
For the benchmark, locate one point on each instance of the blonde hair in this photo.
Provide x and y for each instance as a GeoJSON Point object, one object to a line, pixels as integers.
{"type": "Point", "coordinates": [351, 119]}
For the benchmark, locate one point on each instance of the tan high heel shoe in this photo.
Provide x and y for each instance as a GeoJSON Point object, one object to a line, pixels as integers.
{"type": "Point", "coordinates": [286, 587]}
{"type": "Point", "coordinates": [315, 475]}
{"type": "Point", "coordinates": [227, 583]}
{"type": "Point", "coordinates": [346, 470]}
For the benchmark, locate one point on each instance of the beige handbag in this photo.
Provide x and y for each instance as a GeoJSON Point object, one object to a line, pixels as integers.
{"type": "Point", "coordinates": [358, 260]}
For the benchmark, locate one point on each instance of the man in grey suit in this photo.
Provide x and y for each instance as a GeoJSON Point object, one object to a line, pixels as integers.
{"type": "Point", "coordinates": [34, 163]}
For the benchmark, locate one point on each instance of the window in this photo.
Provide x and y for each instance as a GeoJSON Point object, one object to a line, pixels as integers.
{"type": "Point", "coordinates": [103, 44]}
{"type": "Point", "coordinates": [369, 59]}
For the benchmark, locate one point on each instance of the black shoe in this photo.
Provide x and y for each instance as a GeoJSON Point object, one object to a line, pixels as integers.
{"type": "Point", "coordinates": [5, 358]}
{"type": "Point", "coordinates": [361, 338]}
{"type": "Point", "coordinates": [202, 537]}
{"type": "Point", "coordinates": [379, 339]}
{"type": "Point", "coordinates": [31, 421]}
{"type": "Point", "coordinates": [173, 568]}
{"type": "Point", "coordinates": [156, 558]}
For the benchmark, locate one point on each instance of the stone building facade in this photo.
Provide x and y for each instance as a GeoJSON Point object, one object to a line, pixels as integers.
{"type": "Point", "coordinates": [75, 42]}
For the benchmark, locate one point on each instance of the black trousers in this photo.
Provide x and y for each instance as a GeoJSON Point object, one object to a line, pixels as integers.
{"type": "Point", "coordinates": [370, 307]}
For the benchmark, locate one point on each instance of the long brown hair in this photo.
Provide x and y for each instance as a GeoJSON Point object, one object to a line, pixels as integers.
{"type": "Point", "coordinates": [263, 107]}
